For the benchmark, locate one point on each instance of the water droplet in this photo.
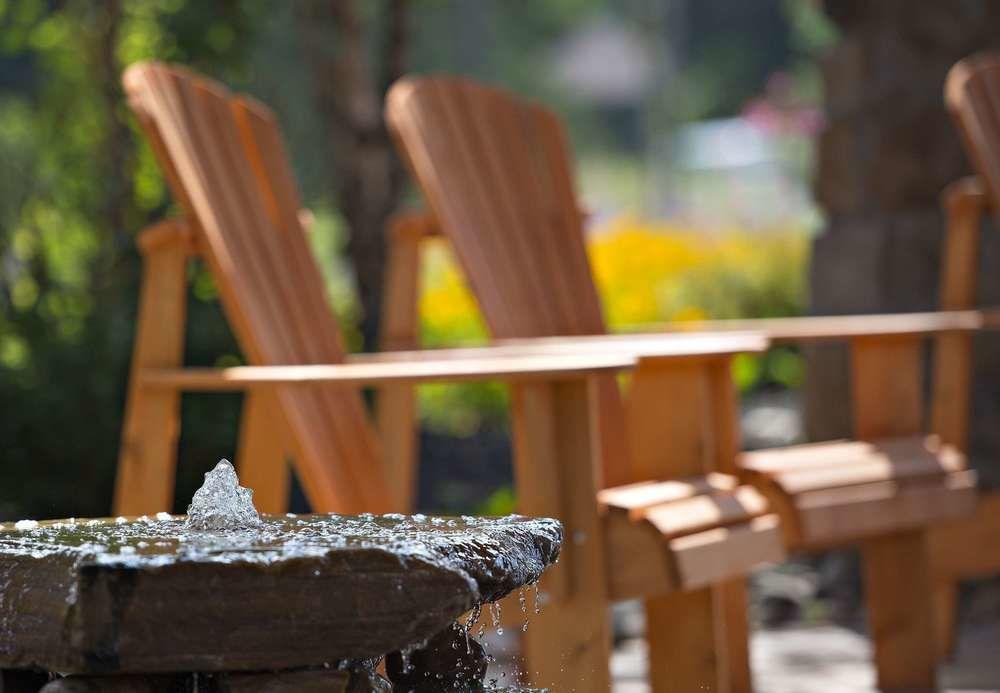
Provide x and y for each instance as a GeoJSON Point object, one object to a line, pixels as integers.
{"type": "Point", "coordinates": [473, 617]}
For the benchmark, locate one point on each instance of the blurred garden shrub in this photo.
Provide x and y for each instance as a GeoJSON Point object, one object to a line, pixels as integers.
{"type": "Point", "coordinates": [648, 273]}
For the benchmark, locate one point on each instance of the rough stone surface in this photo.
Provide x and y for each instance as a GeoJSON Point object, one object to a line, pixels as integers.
{"type": "Point", "coordinates": [451, 660]}
{"type": "Point", "coordinates": [310, 681]}
{"type": "Point", "coordinates": [22, 681]}
{"type": "Point", "coordinates": [121, 684]}
{"type": "Point", "coordinates": [149, 595]}
{"type": "Point", "coordinates": [887, 152]}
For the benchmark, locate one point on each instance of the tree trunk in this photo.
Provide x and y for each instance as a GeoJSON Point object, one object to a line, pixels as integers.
{"type": "Point", "coordinates": [116, 145]}
{"type": "Point", "coordinates": [350, 93]}
{"type": "Point", "coordinates": [888, 150]}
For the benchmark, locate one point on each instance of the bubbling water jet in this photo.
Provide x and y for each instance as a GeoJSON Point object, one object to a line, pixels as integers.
{"type": "Point", "coordinates": [221, 504]}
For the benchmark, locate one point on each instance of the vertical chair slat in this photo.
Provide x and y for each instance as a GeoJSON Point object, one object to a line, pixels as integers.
{"type": "Point", "coordinates": [569, 253]}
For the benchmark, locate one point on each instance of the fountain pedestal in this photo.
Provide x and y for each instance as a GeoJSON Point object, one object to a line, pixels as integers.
{"type": "Point", "coordinates": [150, 596]}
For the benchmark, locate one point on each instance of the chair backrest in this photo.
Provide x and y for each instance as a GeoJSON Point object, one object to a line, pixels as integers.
{"type": "Point", "coordinates": [225, 161]}
{"type": "Point", "coordinates": [972, 95]}
{"type": "Point", "coordinates": [495, 171]}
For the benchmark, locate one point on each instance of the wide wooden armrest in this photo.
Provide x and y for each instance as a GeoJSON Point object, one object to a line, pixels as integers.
{"type": "Point", "coordinates": [841, 327]}
{"type": "Point", "coordinates": [626, 346]}
{"type": "Point", "coordinates": [386, 372]}
{"type": "Point", "coordinates": [683, 534]}
{"type": "Point", "coordinates": [542, 359]}
{"type": "Point", "coordinates": [833, 493]}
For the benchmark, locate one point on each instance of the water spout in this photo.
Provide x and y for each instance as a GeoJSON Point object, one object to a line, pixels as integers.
{"type": "Point", "coordinates": [221, 503]}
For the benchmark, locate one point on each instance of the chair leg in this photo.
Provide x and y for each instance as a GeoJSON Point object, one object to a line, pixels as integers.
{"type": "Point", "coordinates": [263, 452]}
{"type": "Point", "coordinates": [397, 406]}
{"type": "Point", "coordinates": [147, 458]}
{"type": "Point", "coordinates": [732, 611]}
{"type": "Point", "coordinates": [698, 640]}
{"type": "Point", "coordinates": [945, 617]}
{"type": "Point", "coordinates": [563, 658]}
{"type": "Point", "coordinates": [681, 632]}
{"type": "Point", "coordinates": [900, 618]}
{"type": "Point", "coordinates": [397, 424]}
{"type": "Point", "coordinates": [567, 646]}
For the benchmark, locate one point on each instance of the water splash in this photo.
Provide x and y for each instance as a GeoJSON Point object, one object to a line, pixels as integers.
{"type": "Point", "coordinates": [221, 503]}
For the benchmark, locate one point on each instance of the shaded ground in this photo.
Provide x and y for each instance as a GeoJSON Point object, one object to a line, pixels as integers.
{"type": "Point", "coordinates": [799, 659]}
{"type": "Point", "coordinates": [819, 659]}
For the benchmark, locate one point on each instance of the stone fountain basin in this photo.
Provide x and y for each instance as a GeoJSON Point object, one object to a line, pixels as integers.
{"type": "Point", "coordinates": [148, 595]}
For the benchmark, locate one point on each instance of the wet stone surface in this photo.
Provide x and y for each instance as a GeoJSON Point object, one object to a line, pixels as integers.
{"type": "Point", "coordinates": [451, 660]}
{"type": "Point", "coordinates": [152, 594]}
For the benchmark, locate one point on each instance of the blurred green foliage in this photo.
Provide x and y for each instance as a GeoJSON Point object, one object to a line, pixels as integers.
{"type": "Point", "coordinates": [75, 187]}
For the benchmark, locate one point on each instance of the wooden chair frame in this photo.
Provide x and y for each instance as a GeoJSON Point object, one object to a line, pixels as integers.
{"type": "Point", "coordinates": [968, 548]}
{"type": "Point", "coordinates": [887, 366]}
{"type": "Point", "coordinates": [964, 549]}
{"type": "Point", "coordinates": [495, 172]}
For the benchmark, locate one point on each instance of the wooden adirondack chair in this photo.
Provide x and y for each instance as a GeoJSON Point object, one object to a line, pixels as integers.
{"type": "Point", "coordinates": [223, 158]}
{"type": "Point", "coordinates": [969, 548]}
{"type": "Point", "coordinates": [495, 173]}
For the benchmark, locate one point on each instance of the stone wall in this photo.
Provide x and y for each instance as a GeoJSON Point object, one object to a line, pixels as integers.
{"type": "Point", "coordinates": [887, 151]}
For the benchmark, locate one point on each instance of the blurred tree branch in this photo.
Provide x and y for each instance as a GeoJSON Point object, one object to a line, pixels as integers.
{"type": "Point", "coordinates": [349, 91]}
